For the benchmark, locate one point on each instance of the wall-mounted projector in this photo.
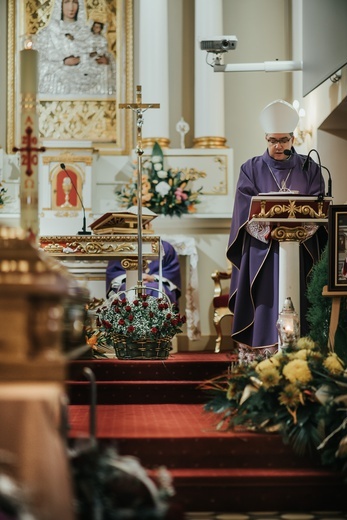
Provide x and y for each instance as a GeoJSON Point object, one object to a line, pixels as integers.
{"type": "Point", "coordinates": [218, 44]}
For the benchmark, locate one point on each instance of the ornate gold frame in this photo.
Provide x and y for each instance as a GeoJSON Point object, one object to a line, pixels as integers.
{"type": "Point", "coordinates": [337, 248]}
{"type": "Point", "coordinates": [99, 120]}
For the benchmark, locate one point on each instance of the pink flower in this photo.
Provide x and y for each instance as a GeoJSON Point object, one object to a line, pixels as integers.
{"type": "Point", "coordinates": [180, 195]}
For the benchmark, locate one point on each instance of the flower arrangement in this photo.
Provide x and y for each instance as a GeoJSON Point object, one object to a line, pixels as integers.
{"type": "Point", "coordinates": [110, 486]}
{"type": "Point", "coordinates": [165, 192]}
{"type": "Point", "coordinates": [143, 317]}
{"type": "Point", "coordinates": [296, 393]}
{"type": "Point", "coordinates": [138, 328]}
{"type": "Point", "coordinates": [3, 197]}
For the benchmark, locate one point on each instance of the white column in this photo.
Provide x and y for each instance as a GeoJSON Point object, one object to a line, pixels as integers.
{"type": "Point", "coordinates": [289, 274]}
{"type": "Point", "coordinates": [209, 86]}
{"type": "Point", "coordinates": [154, 69]}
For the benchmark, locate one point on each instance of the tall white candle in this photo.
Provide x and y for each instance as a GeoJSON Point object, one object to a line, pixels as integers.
{"type": "Point", "coordinates": [28, 148]}
{"type": "Point", "coordinates": [29, 71]}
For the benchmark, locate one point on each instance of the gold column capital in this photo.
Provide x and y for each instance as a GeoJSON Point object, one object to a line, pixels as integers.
{"type": "Point", "coordinates": [210, 142]}
{"type": "Point", "coordinates": [148, 142]}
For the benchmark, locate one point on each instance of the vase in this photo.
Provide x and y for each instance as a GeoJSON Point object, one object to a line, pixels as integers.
{"type": "Point", "coordinates": [147, 348]}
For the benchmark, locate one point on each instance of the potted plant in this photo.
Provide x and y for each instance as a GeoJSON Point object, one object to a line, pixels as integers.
{"type": "Point", "coordinates": [139, 327]}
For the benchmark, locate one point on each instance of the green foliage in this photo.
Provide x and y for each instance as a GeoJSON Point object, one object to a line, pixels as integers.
{"type": "Point", "coordinates": [3, 197]}
{"type": "Point", "coordinates": [318, 315]}
{"type": "Point", "coordinates": [113, 487]}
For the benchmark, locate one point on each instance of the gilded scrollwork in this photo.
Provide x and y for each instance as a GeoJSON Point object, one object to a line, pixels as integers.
{"type": "Point", "coordinates": [97, 245]}
{"type": "Point", "coordinates": [131, 264]}
{"type": "Point", "coordinates": [290, 210]}
{"type": "Point", "coordinates": [289, 234]}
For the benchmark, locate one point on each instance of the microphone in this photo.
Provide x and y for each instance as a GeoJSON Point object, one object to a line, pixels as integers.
{"type": "Point", "coordinates": [288, 153]}
{"type": "Point", "coordinates": [305, 168]}
{"type": "Point", "coordinates": [84, 231]}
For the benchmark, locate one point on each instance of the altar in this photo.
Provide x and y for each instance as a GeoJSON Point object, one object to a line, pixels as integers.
{"type": "Point", "coordinates": [86, 257]}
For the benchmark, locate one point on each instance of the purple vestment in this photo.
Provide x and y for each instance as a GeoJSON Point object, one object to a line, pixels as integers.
{"type": "Point", "coordinates": [254, 281]}
{"type": "Point", "coordinates": [170, 273]}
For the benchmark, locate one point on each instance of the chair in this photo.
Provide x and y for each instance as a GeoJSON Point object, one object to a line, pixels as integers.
{"type": "Point", "coordinates": [220, 303]}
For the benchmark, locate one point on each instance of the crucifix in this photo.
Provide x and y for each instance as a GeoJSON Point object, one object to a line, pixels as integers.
{"type": "Point", "coordinates": [139, 109]}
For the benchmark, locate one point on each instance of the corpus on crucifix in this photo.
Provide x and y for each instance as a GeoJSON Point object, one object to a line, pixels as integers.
{"type": "Point", "coordinates": [139, 109]}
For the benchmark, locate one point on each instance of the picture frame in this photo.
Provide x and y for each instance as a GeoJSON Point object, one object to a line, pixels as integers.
{"type": "Point", "coordinates": [337, 248]}
{"type": "Point", "coordinates": [70, 110]}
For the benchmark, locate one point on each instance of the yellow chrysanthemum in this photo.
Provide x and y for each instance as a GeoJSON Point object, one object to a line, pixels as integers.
{"type": "Point", "coordinates": [306, 343]}
{"type": "Point", "coordinates": [334, 364]}
{"type": "Point", "coordinates": [297, 370]}
{"type": "Point", "coordinates": [290, 396]}
{"type": "Point", "coordinates": [270, 377]}
{"type": "Point", "coordinates": [300, 354]}
{"type": "Point", "coordinates": [266, 364]}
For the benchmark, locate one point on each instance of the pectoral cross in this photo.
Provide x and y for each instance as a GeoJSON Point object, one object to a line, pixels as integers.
{"type": "Point", "coordinates": [139, 109]}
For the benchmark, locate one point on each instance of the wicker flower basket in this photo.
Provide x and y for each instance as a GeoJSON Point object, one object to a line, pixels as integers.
{"type": "Point", "coordinates": [142, 348]}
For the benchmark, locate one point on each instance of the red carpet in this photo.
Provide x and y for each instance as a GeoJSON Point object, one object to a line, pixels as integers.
{"type": "Point", "coordinates": [212, 470]}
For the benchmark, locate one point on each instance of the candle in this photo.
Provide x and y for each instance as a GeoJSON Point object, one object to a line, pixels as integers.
{"type": "Point", "coordinates": [29, 71]}
{"type": "Point", "coordinates": [29, 144]}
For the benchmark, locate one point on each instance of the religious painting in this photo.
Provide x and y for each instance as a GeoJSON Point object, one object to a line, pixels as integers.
{"type": "Point", "coordinates": [66, 185]}
{"type": "Point", "coordinates": [69, 177]}
{"type": "Point", "coordinates": [85, 68]}
{"type": "Point", "coordinates": [337, 248]}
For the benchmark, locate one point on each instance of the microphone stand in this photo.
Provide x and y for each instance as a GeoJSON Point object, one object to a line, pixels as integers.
{"type": "Point", "coordinates": [329, 191]}
{"type": "Point", "coordinates": [305, 168]}
{"type": "Point", "coordinates": [84, 230]}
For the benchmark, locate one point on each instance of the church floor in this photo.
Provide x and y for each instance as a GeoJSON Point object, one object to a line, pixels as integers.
{"type": "Point", "coordinates": [270, 515]}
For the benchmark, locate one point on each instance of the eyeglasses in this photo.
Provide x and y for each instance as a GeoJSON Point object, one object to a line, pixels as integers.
{"type": "Point", "coordinates": [283, 140]}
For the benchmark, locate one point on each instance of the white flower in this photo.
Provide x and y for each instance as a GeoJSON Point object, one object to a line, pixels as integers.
{"type": "Point", "coordinates": [156, 159]}
{"type": "Point", "coordinates": [158, 166]}
{"type": "Point", "coordinates": [147, 165]}
{"type": "Point", "coordinates": [162, 174]}
{"type": "Point", "coordinates": [162, 188]}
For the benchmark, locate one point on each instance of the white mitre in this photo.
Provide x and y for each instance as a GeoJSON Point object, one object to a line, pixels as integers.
{"type": "Point", "coordinates": [279, 117]}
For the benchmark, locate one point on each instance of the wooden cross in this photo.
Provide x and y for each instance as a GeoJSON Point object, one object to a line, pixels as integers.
{"type": "Point", "coordinates": [139, 108]}
{"type": "Point", "coordinates": [28, 160]}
